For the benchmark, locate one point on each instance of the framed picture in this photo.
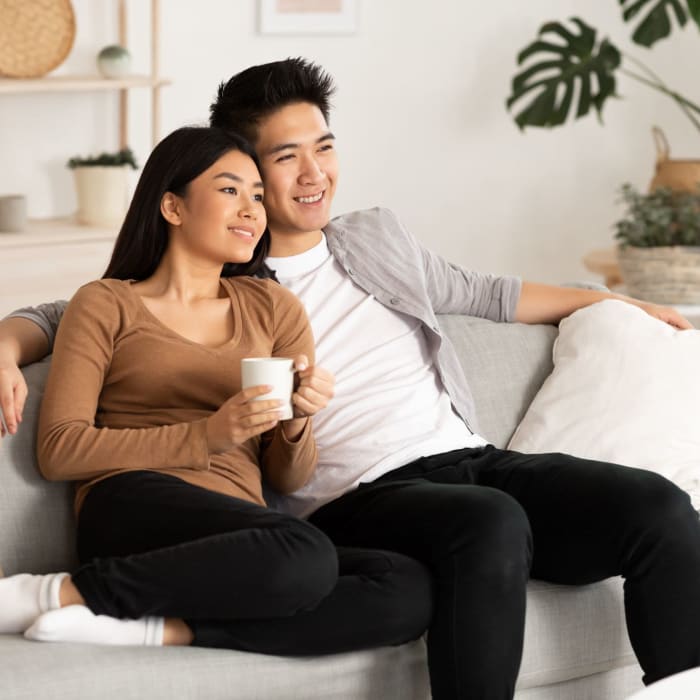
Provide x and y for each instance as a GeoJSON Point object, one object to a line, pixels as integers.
{"type": "Point", "coordinates": [308, 16]}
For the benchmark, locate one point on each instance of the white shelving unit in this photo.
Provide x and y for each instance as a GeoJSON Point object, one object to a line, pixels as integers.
{"type": "Point", "coordinates": [50, 261]}
{"type": "Point", "coordinates": [54, 256]}
{"type": "Point", "coordinates": [96, 83]}
{"type": "Point", "coordinates": [76, 83]}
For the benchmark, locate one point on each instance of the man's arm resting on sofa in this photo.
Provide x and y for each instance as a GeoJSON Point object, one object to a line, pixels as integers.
{"type": "Point", "coordinates": [543, 303]}
{"type": "Point", "coordinates": [21, 343]}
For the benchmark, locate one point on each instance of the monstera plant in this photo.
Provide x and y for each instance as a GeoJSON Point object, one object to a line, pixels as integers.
{"type": "Point", "coordinates": [544, 93]}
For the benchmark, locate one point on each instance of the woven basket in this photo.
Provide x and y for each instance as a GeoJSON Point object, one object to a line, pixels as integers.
{"type": "Point", "coordinates": [675, 173]}
{"type": "Point", "coordinates": [35, 36]}
{"type": "Point", "coordinates": [665, 274]}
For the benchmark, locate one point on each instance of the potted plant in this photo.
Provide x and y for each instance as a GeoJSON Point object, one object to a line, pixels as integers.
{"type": "Point", "coordinates": [102, 186]}
{"type": "Point", "coordinates": [659, 251]}
{"type": "Point", "coordinates": [570, 70]}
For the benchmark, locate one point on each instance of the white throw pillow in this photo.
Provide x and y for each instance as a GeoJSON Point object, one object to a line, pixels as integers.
{"type": "Point", "coordinates": [625, 389]}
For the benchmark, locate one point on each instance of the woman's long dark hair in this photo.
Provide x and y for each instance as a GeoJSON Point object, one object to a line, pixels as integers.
{"type": "Point", "coordinates": [177, 160]}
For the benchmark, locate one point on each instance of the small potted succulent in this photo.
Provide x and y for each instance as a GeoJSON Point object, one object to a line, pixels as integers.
{"type": "Point", "coordinates": [659, 245]}
{"type": "Point", "coordinates": [102, 187]}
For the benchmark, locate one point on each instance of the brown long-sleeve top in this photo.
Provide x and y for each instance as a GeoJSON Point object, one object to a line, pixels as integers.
{"type": "Point", "coordinates": [125, 392]}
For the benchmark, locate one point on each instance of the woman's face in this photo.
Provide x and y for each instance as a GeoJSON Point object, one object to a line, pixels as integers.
{"type": "Point", "coordinates": [221, 214]}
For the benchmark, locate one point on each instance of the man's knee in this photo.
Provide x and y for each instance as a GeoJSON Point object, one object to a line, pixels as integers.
{"type": "Point", "coordinates": [491, 534]}
{"type": "Point", "coordinates": [658, 505]}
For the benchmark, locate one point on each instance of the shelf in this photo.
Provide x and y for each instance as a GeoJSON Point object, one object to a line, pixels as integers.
{"type": "Point", "coordinates": [43, 232]}
{"type": "Point", "coordinates": [80, 83]}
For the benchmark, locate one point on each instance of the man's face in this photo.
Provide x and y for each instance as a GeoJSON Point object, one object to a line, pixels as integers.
{"type": "Point", "coordinates": [299, 168]}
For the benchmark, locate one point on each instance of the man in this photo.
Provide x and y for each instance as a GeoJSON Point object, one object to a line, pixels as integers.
{"type": "Point", "coordinates": [401, 465]}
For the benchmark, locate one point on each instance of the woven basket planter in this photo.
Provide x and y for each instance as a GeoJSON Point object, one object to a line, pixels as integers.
{"type": "Point", "coordinates": [665, 275]}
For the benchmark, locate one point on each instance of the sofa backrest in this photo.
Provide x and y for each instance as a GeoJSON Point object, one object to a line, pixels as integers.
{"type": "Point", "coordinates": [37, 531]}
{"type": "Point", "coordinates": [505, 365]}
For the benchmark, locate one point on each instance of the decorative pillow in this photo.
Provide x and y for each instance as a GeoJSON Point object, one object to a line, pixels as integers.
{"type": "Point", "coordinates": [625, 389]}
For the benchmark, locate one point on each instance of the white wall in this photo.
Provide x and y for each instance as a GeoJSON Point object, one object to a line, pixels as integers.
{"type": "Point", "coordinates": [420, 120]}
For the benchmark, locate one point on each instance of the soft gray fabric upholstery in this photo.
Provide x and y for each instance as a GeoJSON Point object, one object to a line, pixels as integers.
{"type": "Point", "coordinates": [573, 631]}
{"type": "Point", "coordinates": [576, 645]}
{"type": "Point", "coordinates": [505, 364]}
{"type": "Point", "coordinates": [72, 671]}
{"type": "Point", "coordinates": [37, 532]}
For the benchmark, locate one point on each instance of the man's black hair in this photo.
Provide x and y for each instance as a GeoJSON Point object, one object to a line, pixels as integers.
{"type": "Point", "coordinates": [255, 93]}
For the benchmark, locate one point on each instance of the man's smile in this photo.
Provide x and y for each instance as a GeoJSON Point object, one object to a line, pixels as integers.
{"type": "Point", "coordinates": [310, 199]}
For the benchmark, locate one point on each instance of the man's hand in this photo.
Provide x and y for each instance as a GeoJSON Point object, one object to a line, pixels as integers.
{"type": "Point", "coordinates": [315, 388]}
{"type": "Point", "coordinates": [667, 315]}
{"type": "Point", "coordinates": [13, 394]}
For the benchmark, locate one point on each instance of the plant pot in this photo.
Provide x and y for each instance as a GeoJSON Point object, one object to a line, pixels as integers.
{"type": "Point", "coordinates": [665, 274]}
{"type": "Point", "coordinates": [677, 174]}
{"type": "Point", "coordinates": [103, 194]}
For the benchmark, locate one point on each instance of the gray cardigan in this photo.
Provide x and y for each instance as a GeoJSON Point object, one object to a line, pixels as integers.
{"type": "Point", "coordinates": [385, 260]}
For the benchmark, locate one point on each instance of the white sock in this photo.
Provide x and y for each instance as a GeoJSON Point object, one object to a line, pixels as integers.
{"type": "Point", "coordinates": [24, 597]}
{"type": "Point", "coordinates": [77, 623]}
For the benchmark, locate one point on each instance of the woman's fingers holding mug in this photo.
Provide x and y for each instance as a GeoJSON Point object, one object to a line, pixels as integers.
{"type": "Point", "coordinates": [301, 362]}
{"type": "Point", "coordinates": [240, 418]}
{"type": "Point", "coordinates": [250, 393]}
{"type": "Point", "coordinates": [303, 408]}
{"type": "Point", "coordinates": [308, 402]}
{"type": "Point", "coordinates": [315, 390]}
{"type": "Point", "coordinates": [319, 379]}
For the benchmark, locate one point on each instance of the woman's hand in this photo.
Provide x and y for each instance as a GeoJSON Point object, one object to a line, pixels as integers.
{"type": "Point", "coordinates": [315, 388]}
{"type": "Point", "coordinates": [241, 418]}
{"type": "Point", "coordinates": [13, 394]}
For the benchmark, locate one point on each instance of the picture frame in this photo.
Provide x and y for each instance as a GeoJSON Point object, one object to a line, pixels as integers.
{"type": "Point", "coordinates": [316, 17]}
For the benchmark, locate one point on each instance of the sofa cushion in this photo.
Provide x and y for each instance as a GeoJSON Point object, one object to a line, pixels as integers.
{"type": "Point", "coordinates": [625, 389]}
{"type": "Point", "coordinates": [574, 631]}
{"type": "Point", "coordinates": [505, 365]}
{"type": "Point", "coordinates": [85, 672]}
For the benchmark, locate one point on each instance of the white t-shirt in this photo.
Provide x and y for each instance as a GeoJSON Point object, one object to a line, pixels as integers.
{"type": "Point", "coordinates": [389, 406]}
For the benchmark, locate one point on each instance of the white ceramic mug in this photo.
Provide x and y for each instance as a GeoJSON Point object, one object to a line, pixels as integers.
{"type": "Point", "coordinates": [278, 372]}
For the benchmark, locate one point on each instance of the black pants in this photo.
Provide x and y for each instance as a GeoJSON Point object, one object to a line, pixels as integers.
{"type": "Point", "coordinates": [241, 576]}
{"type": "Point", "coordinates": [483, 520]}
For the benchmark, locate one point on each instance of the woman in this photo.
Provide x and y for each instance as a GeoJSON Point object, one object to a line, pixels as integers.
{"type": "Point", "coordinates": [143, 409]}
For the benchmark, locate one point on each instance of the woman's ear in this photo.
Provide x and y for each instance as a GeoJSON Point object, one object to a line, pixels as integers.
{"type": "Point", "coordinates": [170, 208]}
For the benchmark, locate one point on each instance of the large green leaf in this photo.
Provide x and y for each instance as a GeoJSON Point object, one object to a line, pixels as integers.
{"type": "Point", "coordinates": [558, 67]}
{"type": "Point", "coordinates": [694, 10]}
{"type": "Point", "coordinates": [656, 22]}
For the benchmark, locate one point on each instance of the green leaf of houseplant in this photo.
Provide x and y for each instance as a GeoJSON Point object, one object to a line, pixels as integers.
{"type": "Point", "coordinates": [694, 10]}
{"type": "Point", "coordinates": [656, 23]}
{"type": "Point", "coordinates": [558, 67]}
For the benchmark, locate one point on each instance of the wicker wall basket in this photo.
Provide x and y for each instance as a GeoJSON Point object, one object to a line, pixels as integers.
{"type": "Point", "coordinates": [675, 173]}
{"type": "Point", "coordinates": [36, 36]}
{"type": "Point", "coordinates": [665, 275]}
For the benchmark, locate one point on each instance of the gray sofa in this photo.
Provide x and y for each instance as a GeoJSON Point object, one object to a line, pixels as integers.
{"type": "Point", "coordinates": [576, 645]}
